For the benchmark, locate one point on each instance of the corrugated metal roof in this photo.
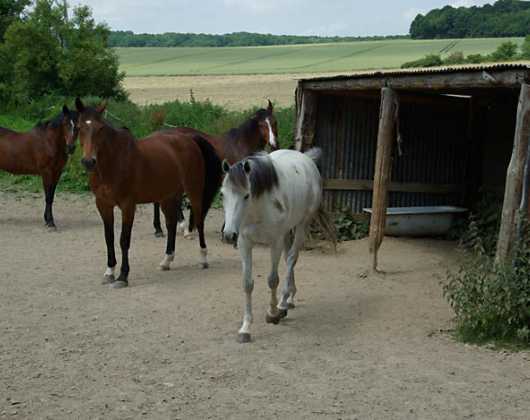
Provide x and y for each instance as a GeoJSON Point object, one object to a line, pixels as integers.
{"type": "Point", "coordinates": [465, 68]}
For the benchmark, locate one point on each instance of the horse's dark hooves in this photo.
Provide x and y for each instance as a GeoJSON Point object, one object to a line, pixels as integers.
{"type": "Point", "coordinates": [51, 227]}
{"type": "Point", "coordinates": [282, 313]}
{"type": "Point", "coordinates": [107, 279]}
{"type": "Point", "coordinates": [205, 266]}
{"type": "Point", "coordinates": [272, 319]}
{"type": "Point", "coordinates": [119, 284]}
{"type": "Point", "coordinates": [159, 234]}
{"type": "Point", "coordinates": [291, 305]}
{"type": "Point", "coordinates": [243, 338]}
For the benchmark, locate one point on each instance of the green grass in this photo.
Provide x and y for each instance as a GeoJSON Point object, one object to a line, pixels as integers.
{"type": "Point", "coordinates": [312, 58]}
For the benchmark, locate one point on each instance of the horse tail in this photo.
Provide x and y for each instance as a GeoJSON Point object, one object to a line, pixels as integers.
{"type": "Point", "coordinates": [315, 154]}
{"type": "Point", "coordinates": [213, 173]}
{"type": "Point", "coordinates": [326, 226]}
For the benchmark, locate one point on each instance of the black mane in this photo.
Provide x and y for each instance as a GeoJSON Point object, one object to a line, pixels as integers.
{"type": "Point", "coordinates": [263, 176]}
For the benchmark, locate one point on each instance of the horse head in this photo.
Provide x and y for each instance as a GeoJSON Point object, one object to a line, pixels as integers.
{"type": "Point", "coordinates": [90, 122]}
{"type": "Point", "coordinates": [267, 126]}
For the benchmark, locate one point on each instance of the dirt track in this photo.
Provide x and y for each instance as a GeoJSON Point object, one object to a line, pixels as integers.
{"type": "Point", "coordinates": [355, 347]}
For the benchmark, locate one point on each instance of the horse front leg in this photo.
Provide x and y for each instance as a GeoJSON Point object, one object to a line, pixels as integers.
{"type": "Point", "coordinates": [159, 233]}
{"type": "Point", "coordinates": [245, 250]}
{"type": "Point", "coordinates": [107, 215]}
{"type": "Point", "coordinates": [49, 184]}
{"type": "Point", "coordinates": [127, 215]}
{"type": "Point", "coordinates": [273, 314]}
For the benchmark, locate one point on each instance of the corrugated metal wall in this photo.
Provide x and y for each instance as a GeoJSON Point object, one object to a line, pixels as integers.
{"type": "Point", "coordinates": [435, 149]}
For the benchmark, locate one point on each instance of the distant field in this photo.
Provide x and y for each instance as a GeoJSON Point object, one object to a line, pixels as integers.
{"type": "Point", "coordinates": [313, 58]}
{"type": "Point", "coordinates": [242, 77]}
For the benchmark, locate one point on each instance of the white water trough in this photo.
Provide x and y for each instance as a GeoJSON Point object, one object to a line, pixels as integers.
{"type": "Point", "coordinates": [419, 221]}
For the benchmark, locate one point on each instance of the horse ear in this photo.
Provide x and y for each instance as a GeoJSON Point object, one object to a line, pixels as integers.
{"type": "Point", "coordinates": [79, 104]}
{"type": "Point", "coordinates": [101, 107]}
{"type": "Point", "coordinates": [226, 166]}
{"type": "Point", "coordinates": [270, 107]}
{"type": "Point", "coordinates": [66, 111]}
{"type": "Point", "coordinates": [246, 166]}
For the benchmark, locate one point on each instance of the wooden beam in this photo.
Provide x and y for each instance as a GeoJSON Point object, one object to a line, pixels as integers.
{"type": "Point", "coordinates": [383, 167]}
{"type": "Point", "coordinates": [449, 81]}
{"type": "Point", "coordinates": [412, 187]}
{"type": "Point", "coordinates": [306, 108]}
{"type": "Point", "coordinates": [514, 179]}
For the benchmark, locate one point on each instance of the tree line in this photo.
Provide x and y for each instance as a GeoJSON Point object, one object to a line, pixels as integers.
{"type": "Point", "coordinates": [44, 51]}
{"type": "Point", "coordinates": [236, 39]}
{"type": "Point", "coordinates": [505, 18]}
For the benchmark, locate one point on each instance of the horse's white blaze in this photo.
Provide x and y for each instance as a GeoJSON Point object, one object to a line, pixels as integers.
{"type": "Point", "coordinates": [272, 137]}
{"type": "Point", "coordinates": [88, 122]}
{"type": "Point", "coordinates": [289, 206]}
{"type": "Point", "coordinates": [109, 272]}
{"type": "Point", "coordinates": [166, 262]}
{"type": "Point", "coordinates": [72, 127]}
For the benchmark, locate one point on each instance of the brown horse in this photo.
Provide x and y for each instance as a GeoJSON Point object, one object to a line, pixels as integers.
{"type": "Point", "coordinates": [250, 137]}
{"type": "Point", "coordinates": [41, 151]}
{"type": "Point", "coordinates": [160, 168]}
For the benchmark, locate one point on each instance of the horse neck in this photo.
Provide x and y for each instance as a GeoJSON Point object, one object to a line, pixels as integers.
{"type": "Point", "coordinates": [245, 144]}
{"type": "Point", "coordinates": [116, 155]}
{"type": "Point", "coordinates": [56, 136]}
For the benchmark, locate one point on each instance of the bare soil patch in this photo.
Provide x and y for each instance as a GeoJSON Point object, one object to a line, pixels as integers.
{"type": "Point", "coordinates": [356, 346]}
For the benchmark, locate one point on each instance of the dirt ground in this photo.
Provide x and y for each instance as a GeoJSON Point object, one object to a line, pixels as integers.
{"type": "Point", "coordinates": [234, 92]}
{"type": "Point", "coordinates": [356, 347]}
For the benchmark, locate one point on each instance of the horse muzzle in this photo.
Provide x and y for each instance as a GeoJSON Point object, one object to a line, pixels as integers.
{"type": "Point", "coordinates": [230, 238]}
{"type": "Point", "coordinates": [89, 164]}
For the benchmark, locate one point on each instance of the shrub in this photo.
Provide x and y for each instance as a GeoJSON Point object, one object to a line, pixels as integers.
{"type": "Point", "coordinates": [431, 60]}
{"type": "Point", "coordinates": [349, 228]}
{"type": "Point", "coordinates": [491, 302]}
{"type": "Point", "coordinates": [506, 51]}
{"type": "Point", "coordinates": [455, 58]}
{"type": "Point", "coordinates": [525, 48]}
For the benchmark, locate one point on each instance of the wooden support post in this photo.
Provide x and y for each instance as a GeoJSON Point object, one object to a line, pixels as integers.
{"type": "Point", "coordinates": [306, 106]}
{"type": "Point", "coordinates": [383, 167]}
{"type": "Point", "coordinates": [514, 179]}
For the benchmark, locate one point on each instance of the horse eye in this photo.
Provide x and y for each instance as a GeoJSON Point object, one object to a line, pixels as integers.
{"type": "Point", "coordinates": [247, 196]}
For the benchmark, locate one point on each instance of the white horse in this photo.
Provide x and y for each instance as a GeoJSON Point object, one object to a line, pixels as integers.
{"type": "Point", "coordinates": [271, 199]}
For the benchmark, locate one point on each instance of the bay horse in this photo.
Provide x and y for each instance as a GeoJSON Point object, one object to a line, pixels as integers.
{"type": "Point", "coordinates": [271, 199]}
{"type": "Point", "coordinates": [41, 151]}
{"type": "Point", "coordinates": [125, 172]}
{"type": "Point", "coordinates": [250, 137]}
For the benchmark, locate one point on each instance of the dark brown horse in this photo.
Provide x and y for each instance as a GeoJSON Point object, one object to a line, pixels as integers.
{"type": "Point", "coordinates": [41, 151]}
{"type": "Point", "coordinates": [250, 137]}
{"type": "Point", "coordinates": [160, 168]}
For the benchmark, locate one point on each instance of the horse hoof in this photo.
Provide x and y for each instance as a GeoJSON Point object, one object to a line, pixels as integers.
{"type": "Point", "coordinates": [272, 319]}
{"type": "Point", "coordinates": [108, 279]}
{"type": "Point", "coordinates": [205, 266]}
{"type": "Point", "coordinates": [51, 228]}
{"type": "Point", "coordinates": [291, 305]}
{"type": "Point", "coordinates": [164, 267]}
{"type": "Point", "coordinates": [119, 284]}
{"type": "Point", "coordinates": [282, 313]}
{"type": "Point", "coordinates": [159, 234]}
{"type": "Point", "coordinates": [189, 236]}
{"type": "Point", "coordinates": [243, 338]}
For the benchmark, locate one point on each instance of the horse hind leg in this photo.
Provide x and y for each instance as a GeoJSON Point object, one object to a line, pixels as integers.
{"type": "Point", "coordinates": [291, 257]}
{"type": "Point", "coordinates": [170, 213]}
{"type": "Point", "coordinates": [159, 233]}
{"type": "Point", "coordinates": [273, 314]}
{"type": "Point", "coordinates": [196, 209]}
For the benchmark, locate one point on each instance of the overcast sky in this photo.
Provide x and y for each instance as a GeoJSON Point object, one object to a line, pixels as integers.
{"type": "Point", "coordinates": [297, 17]}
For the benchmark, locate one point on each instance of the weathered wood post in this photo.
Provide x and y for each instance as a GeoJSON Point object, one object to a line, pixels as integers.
{"type": "Point", "coordinates": [383, 166]}
{"type": "Point", "coordinates": [306, 104]}
{"type": "Point", "coordinates": [514, 179]}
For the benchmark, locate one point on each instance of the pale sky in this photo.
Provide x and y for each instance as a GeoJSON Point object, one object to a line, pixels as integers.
{"type": "Point", "coordinates": [295, 17]}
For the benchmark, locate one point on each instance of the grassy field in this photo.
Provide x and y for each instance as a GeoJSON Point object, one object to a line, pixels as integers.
{"type": "Point", "coordinates": [313, 58]}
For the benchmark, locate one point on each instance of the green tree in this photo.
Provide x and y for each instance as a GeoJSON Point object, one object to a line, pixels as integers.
{"type": "Point", "coordinates": [48, 54]}
{"type": "Point", "coordinates": [505, 51]}
{"type": "Point", "coordinates": [10, 11]}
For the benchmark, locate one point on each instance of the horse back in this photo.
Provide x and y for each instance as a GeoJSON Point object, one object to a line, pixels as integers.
{"type": "Point", "coordinates": [23, 153]}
